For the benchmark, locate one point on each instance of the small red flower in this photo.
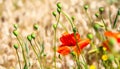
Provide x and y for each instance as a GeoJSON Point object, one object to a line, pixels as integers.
{"type": "Point", "coordinates": [69, 44]}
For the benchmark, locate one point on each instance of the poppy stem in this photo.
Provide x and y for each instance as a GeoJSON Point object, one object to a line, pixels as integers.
{"type": "Point", "coordinates": [71, 22]}
{"type": "Point", "coordinates": [55, 38]}
{"type": "Point", "coordinates": [22, 50]}
{"type": "Point", "coordinates": [36, 54]}
{"type": "Point", "coordinates": [18, 59]}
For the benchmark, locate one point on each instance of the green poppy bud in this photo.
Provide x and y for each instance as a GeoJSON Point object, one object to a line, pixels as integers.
{"type": "Point", "coordinates": [112, 41]}
{"type": "Point", "coordinates": [15, 46]}
{"type": "Point", "coordinates": [35, 26]}
{"type": "Point", "coordinates": [86, 7]}
{"type": "Point", "coordinates": [59, 5]}
{"type": "Point", "coordinates": [15, 26]}
{"type": "Point", "coordinates": [58, 10]}
{"type": "Point", "coordinates": [90, 36]}
{"type": "Point", "coordinates": [29, 37]}
{"type": "Point", "coordinates": [101, 9]}
{"type": "Point", "coordinates": [74, 29]}
{"type": "Point", "coordinates": [97, 15]}
{"type": "Point", "coordinates": [54, 14]}
{"type": "Point", "coordinates": [33, 35]}
{"type": "Point", "coordinates": [54, 26]}
{"type": "Point", "coordinates": [96, 26]}
{"type": "Point", "coordinates": [15, 32]}
{"type": "Point", "coordinates": [73, 18]}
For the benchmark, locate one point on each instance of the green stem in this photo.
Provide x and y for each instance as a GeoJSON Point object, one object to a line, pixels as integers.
{"type": "Point", "coordinates": [63, 26]}
{"type": "Point", "coordinates": [36, 54]}
{"type": "Point", "coordinates": [103, 22]}
{"type": "Point", "coordinates": [116, 18]}
{"type": "Point", "coordinates": [71, 22]}
{"type": "Point", "coordinates": [55, 29]}
{"type": "Point", "coordinates": [22, 51]}
{"type": "Point", "coordinates": [37, 45]}
{"type": "Point", "coordinates": [55, 48]}
{"type": "Point", "coordinates": [18, 59]}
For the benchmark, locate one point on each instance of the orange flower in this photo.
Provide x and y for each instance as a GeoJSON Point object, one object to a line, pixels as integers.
{"type": "Point", "coordinates": [69, 44]}
{"type": "Point", "coordinates": [114, 35]}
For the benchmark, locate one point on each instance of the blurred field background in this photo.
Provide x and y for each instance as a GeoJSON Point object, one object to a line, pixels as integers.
{"type": "Point", "coordinates": [28, 12]}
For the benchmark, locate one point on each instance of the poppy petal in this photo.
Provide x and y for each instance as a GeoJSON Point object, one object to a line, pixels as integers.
{"type": "Point", "coordinates": [63, 50]}
{"type": "Point", "coordinates": [69, 39]}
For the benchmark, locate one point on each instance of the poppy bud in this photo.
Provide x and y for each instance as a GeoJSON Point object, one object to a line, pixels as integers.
{"type": "Point", "coordinates": [86, 7]}
{"type": "Point", "coordinates": [15, 26]}
{"type": "Point", "coordinates": [33, 35]}
{"type": "Point", "coordinates": [73, 18]}
{"type": "Point", "coordinates": [97, 15]}
{"type": "Point", "coordinates": [58, 10]}
{"type": "Point", "coordinates": [15, 46]}
{"type": "Point", "coordinates": [90, 36]}
{"type": "Point", "coordinates": [54, 26]}
{"type": "Point", "coordinates": [29, 37]}
{"type": "Point", "coordinates": [74, 29]}
{"type": "Point", "coordinates": [15, 32]}
{"type": "Point", "coordinates": [96, 26]}
{"type": "Point", "coordinates": [54, 14]}
{"type": "Point", "coordinates": [112, 41]}
{"type": "Point", "coordinates": [35, 26]}
{"type": "Point", "coordinates": [59, 5]}
{"type": "Point", "coordinates": [101, 9]}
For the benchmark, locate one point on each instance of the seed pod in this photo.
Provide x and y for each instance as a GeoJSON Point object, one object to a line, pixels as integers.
{"type": "Point", "coordinates": [15, 32]}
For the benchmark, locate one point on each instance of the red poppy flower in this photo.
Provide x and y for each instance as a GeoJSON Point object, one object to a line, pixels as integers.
{"type": "Point", "coordinates": [114, 35]}
{"type": "Point", "coordinates": [69, 44]}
